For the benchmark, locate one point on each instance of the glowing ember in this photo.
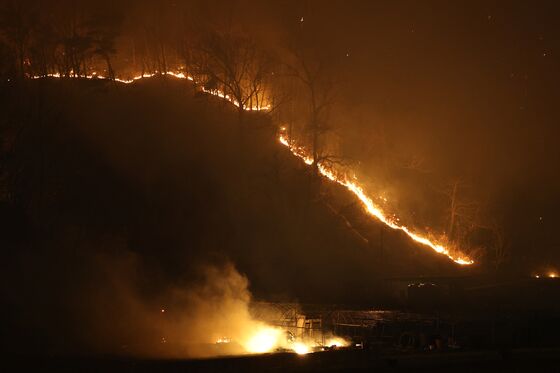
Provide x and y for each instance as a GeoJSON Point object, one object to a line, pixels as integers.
{"type": "Point", "coordinates": [223, 340]}
{"type": "Point", "coordinates": [546, 273]}
{"type": "Point", "coordinates": [370, 206]}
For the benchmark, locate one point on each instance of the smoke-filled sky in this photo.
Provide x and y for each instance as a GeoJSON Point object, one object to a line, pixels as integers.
{"type": "Point", "coordinates": [470, 88]}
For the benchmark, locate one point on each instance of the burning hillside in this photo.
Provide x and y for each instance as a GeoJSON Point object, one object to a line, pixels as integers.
{"type": "Point", "coordinates": [184, 179]}
{"type": "Point", "coordinates": [157, 175]}
{"type": "Point", "coordinates": [338, 176]}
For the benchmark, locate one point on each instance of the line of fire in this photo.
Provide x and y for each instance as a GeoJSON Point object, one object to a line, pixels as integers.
{"type": "Point", "coordinates": [279, 186]}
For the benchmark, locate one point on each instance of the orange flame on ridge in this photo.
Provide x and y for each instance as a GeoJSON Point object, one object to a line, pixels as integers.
{"type": "Point", "coordinates": [178, 75]}
{"type": "Point", "coordinates": [351, 185]}
{"type": "Point", "coordinates": [370, 206]}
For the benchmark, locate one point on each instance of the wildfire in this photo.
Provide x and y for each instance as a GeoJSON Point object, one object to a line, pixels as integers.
{"type": "Point", "coordinates": [337, 342]}
{"type": "Point", "coordinates": [341, 179]}
{"type": "Point", "coordinates": [546, 273]}
{"type": "Point", "coordinates": [266, 339]}
{"type": "Point", "coordinates": [178, 75]}
{"type": "Point", "coordinates": [371, 207]}
{"type": "Point", "coordinates": [223, 340]}
{"type": "Point", "coordinates": [549, 275]}
{"type": "Point", "coordinates": [263, 340]}
{"type": "Point", "coordinates": [220, 94]}
{"type": "Point", "coordinates": [301, 348]}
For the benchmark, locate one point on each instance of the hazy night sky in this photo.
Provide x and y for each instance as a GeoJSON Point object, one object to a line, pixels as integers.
{"type": "Point", "coordinates": [470, 87]}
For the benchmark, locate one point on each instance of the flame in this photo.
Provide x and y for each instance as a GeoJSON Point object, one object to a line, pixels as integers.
{"type": "Point", "coordinates": [549, 275]}
{"type": "Point", "coordinates": [370, 207]}
{"type": "Point", "coordinates": [337, 342]}
{"type": "Point", "coordinates": [178, 75]}
{"type": "Point", "coordinates": [220, 94]}
{"type": "Point", "coordinates": [547, 272]}
{"type": "Point", "coordinates": [223, 340]}
{"type": "Point", "coordinates": [265, 339]}
{"type": "Point", "coordinates": [343, 180]}
{"type": "Point", "coordinates": [301, 348]}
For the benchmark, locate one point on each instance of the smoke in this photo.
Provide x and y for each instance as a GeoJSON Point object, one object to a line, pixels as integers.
{"type": "Point", "coordinates": [181, 321]}
{"type": "Point", "coordinates": [112, 302]}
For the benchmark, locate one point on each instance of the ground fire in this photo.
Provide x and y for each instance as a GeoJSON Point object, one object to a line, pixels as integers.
{"type": "Point", "coordinates": [352, 185]}
{"type": "Point", "coordinates": [340, 177]}
{"type": "Point", "coordinates": [288, 331]}
{"type": "Point", "coordinates": [178, 75]}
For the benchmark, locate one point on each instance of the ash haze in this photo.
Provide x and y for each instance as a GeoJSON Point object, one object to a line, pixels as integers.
{"type": "Point", "coordinates": [113, 196]}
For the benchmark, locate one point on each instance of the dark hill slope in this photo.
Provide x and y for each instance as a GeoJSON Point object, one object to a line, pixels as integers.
{"type": "Point", "coordinates": [155, 172]}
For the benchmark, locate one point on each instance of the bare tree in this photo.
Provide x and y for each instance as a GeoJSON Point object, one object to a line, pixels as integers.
{"type": "Point", "coordinates": [43, 47]}
{"type": "Point", "coordinates": [235, 65]}
{"type": "Point", "coordinates": [16, 24]}
{"type": "Point", "coordinates": [151, 37]}
{"type": "Point", "coordinates": [462, 211]}
{"type": "Point", "coordinates": [75, 42]}
{"type": "Point", "coordinates": [104, 30]}
{"type": "Point", "coordinates": [319, 83]}
{"type": "Point", "coordinates": [7, 66]}
{"type": "Point", "coordinates": [499, 248]}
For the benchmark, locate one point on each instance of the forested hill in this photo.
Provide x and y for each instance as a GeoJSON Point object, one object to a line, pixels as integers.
{"type": "Point", "coordinates": [155, 174]}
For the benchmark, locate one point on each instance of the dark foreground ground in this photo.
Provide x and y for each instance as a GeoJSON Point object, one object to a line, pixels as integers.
{"type": "Point", "coordinates": [541, 360]}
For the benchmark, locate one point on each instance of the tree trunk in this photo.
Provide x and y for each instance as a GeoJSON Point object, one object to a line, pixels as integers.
{"type": "Point", "coordinates": [315, 145]}
{"type": "Point", "coordinates": [314, 132]}
{"type": "Point", "coordinates": [453, 212]}
{"type": "Point", "coordinates": [109, 67]}
{"type": "Point", "coordinates": [163, 61]}
{"type": "Point", "coordinates": [21, 61]}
